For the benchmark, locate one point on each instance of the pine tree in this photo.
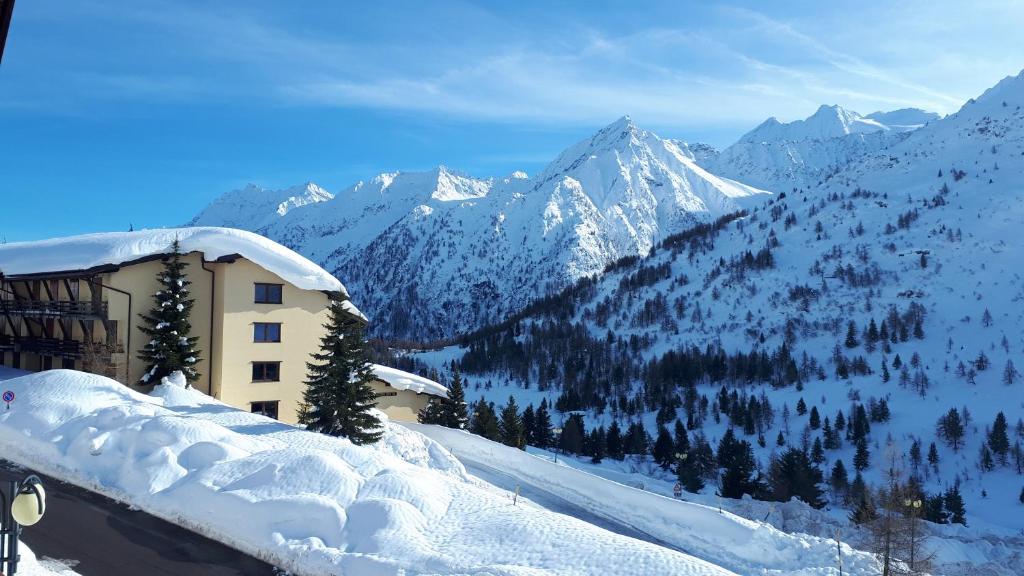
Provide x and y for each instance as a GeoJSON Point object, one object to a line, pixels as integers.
{"type": "Point", "coordinates": [571, 440]}
{"type": "Point", "coordinates": [682, 439]}
{"type": "Point", "coordinates": [614, 441]}
{"type": "Point", "coordinates": [815, 418]}
{"type": "Point", "coordinates": [171, 347]}
{"type": "Point", "coordinates": [791, 475]}
{"type": "Point", "coordinates": [801, 407]}
{"type": "Point", "coordinates": [485, 421]}
{"type": "Point", "coordinates": [736, 457]}
{"type": "Point", "coordinates": [951, 428]}
{"type": "Point", "coordinates": [543, 437]}
{"type": "Point", "coordinates": [454, 412]}
{"type": "Point", "coordinates": [780, 440]}
{"type": "Point", "coordinates": [862, 459]}
{"type": "Point", "coordinates": [664, 449]}
{"type": "Point", "coordinates": [817, 453]}
{"type": "Point", "coordinates": [529, 424]}
{"type": "Point", "coordinates": [839, 479]}
{"type": "Point", "coordinates": [933, 456]}
{"type": "Point", "coordinates": [851, 335]}
{"type": "Point", "coordinates": [997, 438]}
{"type": "Point", "coordinates": [510, 426]}
{"type": "Point", "coordinates": [955, 505]}
{"type": "Point", "coordinates": [598, 445]}
{"type": "Point", "coordinates": [338, 393]}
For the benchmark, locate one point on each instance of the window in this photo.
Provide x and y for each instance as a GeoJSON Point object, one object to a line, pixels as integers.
{"type": "Point", "coordinates": [268, 293]}
{"type": "Point", "coordinates": [265, 408]}
{"type": "Point", "coordinates": [266, 332]}
{"type": "Point", "coordinates": [382, 394]}
{"type": "Point", "coordinates": [266, 371]}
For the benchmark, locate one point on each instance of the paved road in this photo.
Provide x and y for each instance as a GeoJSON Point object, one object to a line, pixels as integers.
{"type": "Point", "coordinates": [101, 537]}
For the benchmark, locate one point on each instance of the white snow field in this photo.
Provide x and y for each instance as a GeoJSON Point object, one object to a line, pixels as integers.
{"type": "Point", "coordinates": [741, 545]}
{"type": "Point", "coordinates": [32, 566]}
{"type": "Point", "coordinates": [309, 503]}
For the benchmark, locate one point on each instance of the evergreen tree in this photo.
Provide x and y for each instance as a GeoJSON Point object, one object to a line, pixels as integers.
{"type": "Point", "coordinates": [839, 479]}
{"type": "Point", "coordinates": [529, 424]}
{"type": "Point", "coordinates": [571, 440]}
{"type": "Point", "coordinates": [637, 439]}
{"type": "Point", "coordinates": [664, 449]}
{"type": "Point", "coordinates": [485, 421]}
{"type": "Point", "coordinates": [510, 426]}
{"type": "Point", "coordinates": [862, 459]}
{"type": "Point", "coordinates": [543, 437]}
{"type": "Point", "coordinates": [951, 428]}
{"type": "Point", "coordinates": [815, 418]}
{"type": "Point", "coordinates": [171, 347]}
{"type": "Point", "coordinates": [792, 474]}
{"type": "Point", "coordinates": [933, 456]}
{"type": "Point", "coordinates": [454, 412]}
{"type": "Point", "coordinates": [688, 472]}
{"type": "Point", "coordinates": [817, 453]}
{"type": "Point", "coordinates": [935, 509]}
{"type": "Point", "coordinates": [736, 458]}
{"type": "Point", "coordinates": [598, 445]}
{"type": "Point", "coordinates": [998, 441]}
{"type": "Point", "coordinates": [851, 335]}
{"type": "Point", "coordinates": [780, 440]}
{"type": "Point", "coordinates": [614, 441]}
{"type": "Point", "coordinates": [801, 407]}
{"type": "Point", "coordinates": [955, 505]}
{"type": "Point", "coordinates": [682, 439]}
{"type": "Point", "coordinates": [338, 397]}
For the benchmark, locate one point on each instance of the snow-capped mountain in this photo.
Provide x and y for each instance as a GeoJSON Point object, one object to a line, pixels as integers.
{"type": "Point", "coordinates": [895, 280]}
{"type": "Point", "coordinates": [254, 207]}
{"type": "Point", "coordinates": [432, 254]}
{"type": "Point", "coordinates": [780, 157]}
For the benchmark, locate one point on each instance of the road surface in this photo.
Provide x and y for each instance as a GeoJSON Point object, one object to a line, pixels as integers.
{"type": "Point", "coordinates": [97, 536]}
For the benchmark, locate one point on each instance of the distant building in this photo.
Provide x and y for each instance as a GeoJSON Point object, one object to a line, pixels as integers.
{"type": "Point", "coordinates": [259, 311]}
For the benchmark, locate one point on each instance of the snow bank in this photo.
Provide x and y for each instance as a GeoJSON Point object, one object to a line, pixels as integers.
{"type": "Point", "coordinates": [32, 566]}
{"type": "Point", "coordinates": [741, 545]}
{"type": "Point", "coordinates": [90, 250]}
{"type": "Point", "coordinates": [405, 381]}
{"type": "Point", "coordinates": [309, 503]}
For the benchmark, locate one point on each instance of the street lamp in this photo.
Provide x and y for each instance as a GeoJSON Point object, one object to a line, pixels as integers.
{"type": "Point", "coordinates": [913, 506]}
{"type": "Point", "coordinates": [23, 505]}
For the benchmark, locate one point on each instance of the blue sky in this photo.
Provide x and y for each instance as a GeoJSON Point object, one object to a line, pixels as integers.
{"type": "Point", "coordinates": [142, 111]}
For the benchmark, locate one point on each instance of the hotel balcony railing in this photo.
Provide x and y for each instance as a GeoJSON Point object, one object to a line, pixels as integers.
{"type": "Point", "coordinates": [49, 347]}
{"type": "Point", "coordinates": [85, 310]}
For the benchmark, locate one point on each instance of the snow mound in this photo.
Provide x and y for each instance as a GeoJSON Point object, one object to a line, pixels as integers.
{"type": "Point", "coordinates": [405, 381]}
{"type": "Point", "coordinates": [113, 248]}
{"type": "Point", "coordinates": [309, 503]}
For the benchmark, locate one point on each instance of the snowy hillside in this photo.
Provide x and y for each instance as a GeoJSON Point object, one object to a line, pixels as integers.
{"type": "Point", "coordinates": [434, 253]}
{"type": "Point", "coordinates": [309, 503]}
{"type": "Point", "coordinates": [889, 296]}
{"type": "Point", "coordinates": [785, 157]}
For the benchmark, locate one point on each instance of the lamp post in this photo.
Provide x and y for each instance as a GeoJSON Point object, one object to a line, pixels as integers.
{"type": "Point", "coordinates": [912, 506]}
{"type": "Point", "coordinates": [23, 505]}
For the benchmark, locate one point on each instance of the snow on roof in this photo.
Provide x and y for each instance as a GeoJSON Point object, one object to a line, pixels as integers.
{"type": "Point", "coordinates": [349, 307]}
{"type": "Point", "coordinates": [113, 248]}
{"type": "Point", "coordinates": [406, 381]}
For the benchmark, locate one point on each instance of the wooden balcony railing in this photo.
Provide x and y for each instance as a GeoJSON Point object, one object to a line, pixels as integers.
{"type": "Point", "coordinates": [78, 309]}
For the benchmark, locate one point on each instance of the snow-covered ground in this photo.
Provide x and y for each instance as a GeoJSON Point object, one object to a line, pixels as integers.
{"type": "Point", "coordinates": [741, 545]}
{"type": "Point", "coordinates": [32, 566]}
{"type": "Point", "coordinates": [309, 503]}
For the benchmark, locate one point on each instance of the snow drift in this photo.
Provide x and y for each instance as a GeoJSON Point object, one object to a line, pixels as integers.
{"type": "Point", "coordinates": [309, 503]}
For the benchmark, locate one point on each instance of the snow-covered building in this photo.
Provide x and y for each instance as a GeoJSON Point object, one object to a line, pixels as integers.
{"type": "Point", "coordinates": [259, 309]}
{"type": "Point", "coordinates": [402, 395]}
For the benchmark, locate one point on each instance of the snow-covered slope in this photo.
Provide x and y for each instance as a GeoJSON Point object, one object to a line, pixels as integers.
{"type": "Point", "coordinates": [254, 207]}
{"type": "Point", "coordinates": [923, 234]}
{"type": "Point", "coordinates": [783, 157]}
{"type": "Point", "coordinates": [431, 254]}
{"type": "Point", "coordinates": [309, 503]}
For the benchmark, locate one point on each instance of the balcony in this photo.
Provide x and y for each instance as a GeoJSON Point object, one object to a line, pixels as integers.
{"type": "Point", "coordinates": [49, 347]}
{"type": "Point", "coordinates": [6, 343]}
{"type": "Point", "coordinates": [76, 309]}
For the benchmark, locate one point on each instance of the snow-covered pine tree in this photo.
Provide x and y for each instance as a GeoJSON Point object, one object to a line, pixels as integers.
{"type": "Point", "coordinates": [171, 347]}
{"type": "Point", "coordinates": [338, 392]}
{"type": "Point", "coordinates": [452, 411]}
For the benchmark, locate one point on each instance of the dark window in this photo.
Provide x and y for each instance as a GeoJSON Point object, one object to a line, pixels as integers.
{"type": "Point", "coordinates": [382, 394]}
{"type": "Point", "coordinates": [268, 293]}
{"type": "Point", "coordinates": [266, 371]}
{"type": "Point", "coordinates": [266, 332]}
{"type": "Point", "coordinates": [266, 408]}
{"type": "Point", "coordinates": [68, 363]}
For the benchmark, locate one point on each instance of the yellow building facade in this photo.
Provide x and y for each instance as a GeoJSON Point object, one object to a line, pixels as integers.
{"type": "Point", "coordinates": [257, 318]}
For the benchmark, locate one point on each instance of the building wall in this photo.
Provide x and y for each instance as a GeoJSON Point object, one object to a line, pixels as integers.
{"type": "Point", "coordinates": [400, 405]}
{"type": "Point", "coordinates": [302, 315]}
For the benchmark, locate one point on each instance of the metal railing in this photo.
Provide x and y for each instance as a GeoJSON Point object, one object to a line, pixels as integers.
{"type": "Point", "coordinates": [54, 309]}
{"type": "Point", "coordinates": [49, 347]}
